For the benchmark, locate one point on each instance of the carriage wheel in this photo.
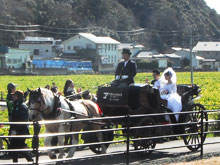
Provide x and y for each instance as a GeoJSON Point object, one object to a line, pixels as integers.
{"type": "Point", "coordinates": [195, 140]}
{"type": "Point", "coordinates": [107, 136]}
{"type": "Point", "coordinates": [3, 146]}
{"type": "Point", "coordinates": [145, 145]}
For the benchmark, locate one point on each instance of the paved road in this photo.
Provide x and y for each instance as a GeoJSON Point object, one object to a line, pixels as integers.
{"type": "Point", "coordinates": [157, 157]}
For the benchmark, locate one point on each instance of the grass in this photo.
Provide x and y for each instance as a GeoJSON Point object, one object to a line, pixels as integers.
{"type": "Point", "coordinates": [209, 82]}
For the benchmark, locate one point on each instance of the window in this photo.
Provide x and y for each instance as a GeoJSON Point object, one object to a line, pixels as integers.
{"type": "Point", "coordinates": [9, 61]}
{"type": "Point", "coordinates": [109, 47]}
{"type": "Point", "coordinates": [106, 47]}
{"type": "Point", "coordinates": [68, 47]}
{"type": "Point", "coordinates": [100, 48]}
{"type": "Point", "coordinates": [36, 52]}
{"type": "Point", "coordinates": [46, 50]}
{"type": "Point", "coordinates": [14, 61]}
{"type": "Point", "coordinates": [115, 47]}
{"type": "Point", "coordinates": [19, 60]}
{"type": "Point", "coordinates": [76, 48]}
{"type": "Point", "coordinates": [89, 46]}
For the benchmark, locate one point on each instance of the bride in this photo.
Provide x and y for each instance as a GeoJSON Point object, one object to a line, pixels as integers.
{"type": "Point", "coordinates": [168, 91]}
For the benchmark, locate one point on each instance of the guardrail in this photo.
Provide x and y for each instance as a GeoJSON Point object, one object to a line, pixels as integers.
{"type": "Point", "coordinates": [128, 128]}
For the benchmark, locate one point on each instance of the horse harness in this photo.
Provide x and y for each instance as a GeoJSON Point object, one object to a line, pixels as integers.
{"type": "Point", "coordinates": [55, 112]}
{"type": "Point", "coordinates": [57, 106]}
{"type": "Point", "coordinates": [73, 114]}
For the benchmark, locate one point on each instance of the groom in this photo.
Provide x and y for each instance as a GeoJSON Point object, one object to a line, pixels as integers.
{"type": "Point", "coordinates": [156, 81]}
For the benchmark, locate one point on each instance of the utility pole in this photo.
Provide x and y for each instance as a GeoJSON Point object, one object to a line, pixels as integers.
{"type": "Point", "coordinates": [191, 58]}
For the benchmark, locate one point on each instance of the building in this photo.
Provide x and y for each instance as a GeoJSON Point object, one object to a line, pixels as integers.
{"type": "Point", "coordinates": [14, 58]}
{"type": "Point", "coordinates": [105, 47]}
{"type": "Point", "coordinates": [134, 48]}
{"type": "Point", "coordinates": [199, 61]}
{"type": "Point", "coordinates": [185, 54]}
{"type": "Point", "coordinates": [210, 51]}
{"type": "Point", "coordinates": [42, 47]}
{"type": "Point", "coordinates": [163, 60]}
{"type": "Point", "coordinates": [173, 60]}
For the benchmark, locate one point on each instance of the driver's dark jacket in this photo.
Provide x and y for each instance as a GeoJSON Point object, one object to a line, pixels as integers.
{"type": "Point", "coordinates": [130, 70]}
{"type": "Point", "coordinates": [20, 114]}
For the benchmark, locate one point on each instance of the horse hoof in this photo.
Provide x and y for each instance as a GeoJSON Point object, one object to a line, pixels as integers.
{"type": "Point", "coordinates": [52, 156]}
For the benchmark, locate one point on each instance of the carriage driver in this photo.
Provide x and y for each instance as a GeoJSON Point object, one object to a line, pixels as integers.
{"type": "Point", "coordinates": [126, 70]}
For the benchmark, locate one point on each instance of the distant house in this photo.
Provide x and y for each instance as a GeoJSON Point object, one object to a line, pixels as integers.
{"type": "Point", "coordinates": [14, 58]}
{"type": "Point", "coordinates": [174, 60]}
{"type": "Point", "coordinates": [164, 60]}
{"type": "Point", "coordinates": [134, 48]}
{"type": "Point", "coordinates": [185, 54]}
{"type": "Point", "coordinates": [42, 47]}
{"type": "Point", "coordinates": [105, 47]}
{"type": "Point", "coordinates": [210, 51]}
{"type": "Point", "coordinates": [199, 61]}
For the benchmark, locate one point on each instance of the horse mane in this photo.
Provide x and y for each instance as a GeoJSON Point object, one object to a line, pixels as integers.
{"type": "Point", "coordinates": [46, 92]}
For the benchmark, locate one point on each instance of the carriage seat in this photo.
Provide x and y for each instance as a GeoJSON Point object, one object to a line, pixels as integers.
{"type": "Point", "coordinates": [182, 89]}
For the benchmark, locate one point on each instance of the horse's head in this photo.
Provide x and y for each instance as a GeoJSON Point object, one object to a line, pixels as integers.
{"type": "Point", "coordinates": [37, 104]}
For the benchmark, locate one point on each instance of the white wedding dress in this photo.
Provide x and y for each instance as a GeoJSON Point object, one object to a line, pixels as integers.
{"type": "Point", "coordinates": [169, 93]}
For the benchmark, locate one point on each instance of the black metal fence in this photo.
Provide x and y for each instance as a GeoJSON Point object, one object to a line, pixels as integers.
{"type": "Point", "coordinates": [128, 129]}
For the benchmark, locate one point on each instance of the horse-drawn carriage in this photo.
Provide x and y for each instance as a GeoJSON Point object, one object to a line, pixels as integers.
{"type": "Point", "coordinates": [144, 99]}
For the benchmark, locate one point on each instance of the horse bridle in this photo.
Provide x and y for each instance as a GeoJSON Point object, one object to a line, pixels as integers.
{"type": "Point", "coordinates": [38, 100]}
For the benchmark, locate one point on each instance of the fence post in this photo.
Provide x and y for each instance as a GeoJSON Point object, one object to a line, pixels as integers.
{"type": "Point", "coordinates": [35, 142]}
{"type": "Point", "coordinates": [128, 140]}
{"type": "Point", "coordinates": [1, 96]}
{"type": "Point", "coordinates": [202, 134]}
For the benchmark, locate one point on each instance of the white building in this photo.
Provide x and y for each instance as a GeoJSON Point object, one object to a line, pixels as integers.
{"type": "Point", "coordinates": [42, 47]}
{"type": "Point", "coordinates": [15, 58]}
{"type": "Point", "coordinates": [106, 47]}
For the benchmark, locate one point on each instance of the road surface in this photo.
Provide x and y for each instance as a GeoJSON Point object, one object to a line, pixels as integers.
{"type": "Point", "coordinates": [157, 157]}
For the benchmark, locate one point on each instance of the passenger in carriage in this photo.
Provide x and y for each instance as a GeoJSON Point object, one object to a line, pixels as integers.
{"type": "Point", "coordinates": [156, 81]}
{"type": "Point", "coordinates": [47, 87]}
{"type": "Point", "coordinates": [168, 91]}
{"type": "Point", "coordinates": [69, 88]}
{"type": "Point", "coordinates": [126, 70]}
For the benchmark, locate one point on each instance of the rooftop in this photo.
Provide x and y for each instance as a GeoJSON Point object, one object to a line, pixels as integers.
{"type": "Point", "coordinates": [130, 46]}
{"type": "Point", "coordinates": [97, 40]}
{"type": "Point", "coordinates": [172, 56]}
{"type": "Point", "coordinates": [207, 46]}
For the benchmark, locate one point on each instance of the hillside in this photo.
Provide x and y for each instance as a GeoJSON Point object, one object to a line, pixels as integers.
{"type": "Point", "coordinates": [166, 22]}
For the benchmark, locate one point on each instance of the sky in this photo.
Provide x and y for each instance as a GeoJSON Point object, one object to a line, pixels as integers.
{"type": "Point", "coordinates": [214, 4]}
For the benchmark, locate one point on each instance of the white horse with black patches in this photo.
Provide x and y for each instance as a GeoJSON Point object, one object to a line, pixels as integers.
{"type": "Point", "coordinates": [42, 104]}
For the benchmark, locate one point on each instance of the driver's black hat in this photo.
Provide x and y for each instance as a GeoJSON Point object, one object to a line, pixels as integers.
{"type": "Point", "coordinates": [126, 51]}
